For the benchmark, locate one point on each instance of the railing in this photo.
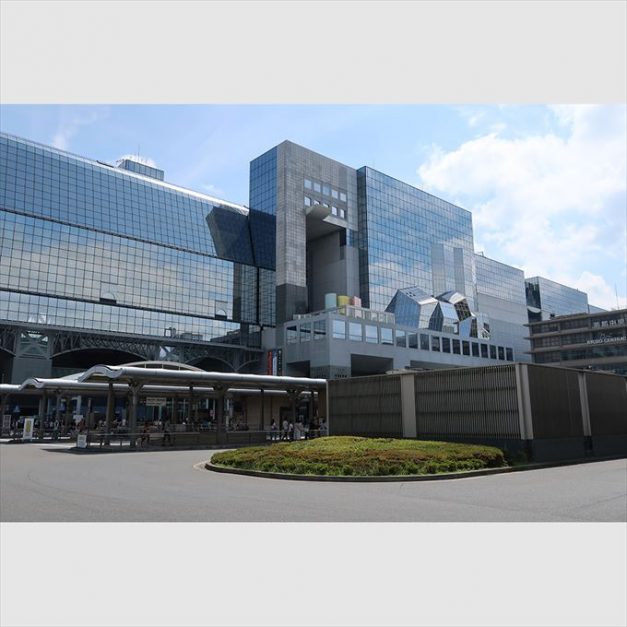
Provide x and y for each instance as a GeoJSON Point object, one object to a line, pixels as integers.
{"type": "Point", "coordinates": [159, 439]}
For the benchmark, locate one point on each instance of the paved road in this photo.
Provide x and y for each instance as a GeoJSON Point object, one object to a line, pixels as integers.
{"type": "Point", "coordinates": [45, 482]}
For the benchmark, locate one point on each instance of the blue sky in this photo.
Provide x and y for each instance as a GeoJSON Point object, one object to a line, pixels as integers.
{"type": "Point", "coordinates": [546, 184]}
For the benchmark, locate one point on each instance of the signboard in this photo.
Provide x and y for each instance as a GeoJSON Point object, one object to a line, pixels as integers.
{"type": "Point", "coordinates": [29, 424]}
{"type": "Point", "coordinates": [81, 440]}
{"type": "Point", "coordinates": [156, 401]}
{"type": "Point", "coordinates": [606, 339]}
{"type": "Point", "coordinates": [275, 362]}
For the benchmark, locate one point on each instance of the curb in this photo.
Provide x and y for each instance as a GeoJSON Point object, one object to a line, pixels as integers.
{"type": "Point", "coordinates": [402, 478]}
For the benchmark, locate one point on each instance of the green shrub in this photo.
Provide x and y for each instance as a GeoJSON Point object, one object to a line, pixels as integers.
{"type": "Point", "coordinates": [352, 455]}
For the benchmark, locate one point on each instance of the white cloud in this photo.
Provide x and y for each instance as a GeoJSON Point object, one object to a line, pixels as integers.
{"type": "Point", "coordinates": [552, 203]}
{"type": "Point", "coordinates": [599, 291]}
{"type": "Point", "coordinates": [68, 128]}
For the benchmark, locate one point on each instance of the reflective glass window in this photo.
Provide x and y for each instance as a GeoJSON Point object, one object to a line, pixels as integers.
{"type": "Point", "coordinates": [386, 335]}
{"type": "Point", "coordinates": [492, 352]}
{"type": "Point", "coordinates": [371, 334]}
{"type": "Point", "coordinates": [435, 343]}
{"type": "Point", "coordinates": [320, 329]}
{"type": "Point", "coordinates": [501, 353]}
{"type": "Point", "coordinates": [484, 351]}
{"type": "Point", "coordinates": [465, 347]}
{"type": "Point", "coordinates": [292, 334]}
{"type": "Point", "coordinates": [355, 331]}
{"type": "Point", "coordinates": [424, 341]}
{"type": "Point", "coordinates": [446, 345]}
{"type": "Point", "coordinates": [509, 354]}
{"type": "Point", "coordinates": [305, 331]}
{"type": "Point", "coordinates": [456, 347]}
{"type": "Point", "coordinates": [400, 338]}
{"type": "Point", "coordinates": [475, 349]}
{"type": "Point", "coordinates": [339, 329]}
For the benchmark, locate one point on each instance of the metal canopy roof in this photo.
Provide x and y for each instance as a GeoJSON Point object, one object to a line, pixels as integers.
{"type": "Point", "coordinates": [131, 374]}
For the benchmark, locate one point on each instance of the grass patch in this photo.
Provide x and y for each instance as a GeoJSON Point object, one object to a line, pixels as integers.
{"type": "Point", "coordinates": [349, 455]}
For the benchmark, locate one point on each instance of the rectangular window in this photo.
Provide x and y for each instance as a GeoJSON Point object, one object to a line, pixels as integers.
{"type": "Point", "coordinates": [320, 329]}
{"type": "Point", "coordinates": [492, 352]}
{"type": "Point", "coordinates": [292, 335]}
{"type": "Point", "coordinates": [456, 350]}
{"type": "Point", "coordinates": [509, 354]}
{"type": "Point", "coordinates": [413, 340]}
{"type": "Point", "coordinates": [501, 353]}
{"type": "Point", "coordinates": [475, 349]}
{"type": "Point", "coordinates": [355, 332]}
{"type": "Point", "coordinates": [334, 211]}
{"type": "Point", "coordinates": [386, 336]}
{"type": "Point", "coordinates": [435, 343]}
{"type": "Point", "coordinates": [465, 347]}
{"type": "Point", "coordinates": [334, 194]}
{"type": "Point", "coordinates": [342, 196]}
{"type": "Point", "coordinates": [305, 331]}
{"type": "Point", "coordinates": [484, 351]}
{"type": "Point", "coordinates": [339, 330]}
{"type": "Point", "coordinates": [316, 187]}
{"type": "Point", "coordinates": [307, 201]}
{"type": "Point", "coordinates": [371, 334]}
{"type": "Point", "coordinates": [307, 184]}
{"type": "Point", "coordinates": [400, 338]}
{"type": "Point", "coordinates": [325, 190]}
{"type": "Point", "coordinates": [424, 341]}
{"type": "Point", "coordinates": [343, 214]}
{"type": "Point", "coordinates": [446, 345]}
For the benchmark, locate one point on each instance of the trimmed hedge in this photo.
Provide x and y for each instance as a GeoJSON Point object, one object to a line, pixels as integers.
{"type": "Point", "coordinates": [349, 455]}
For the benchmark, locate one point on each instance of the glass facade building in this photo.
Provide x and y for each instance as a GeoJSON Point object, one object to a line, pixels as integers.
{"type": "Point", "coordinates": [107, 264]}
{"type": "Point", "coordinates": [408, 238]}
{"type": "Point", "coordinates": [85, 245]}
{"type": "Point", "coordinates": [546, 299]}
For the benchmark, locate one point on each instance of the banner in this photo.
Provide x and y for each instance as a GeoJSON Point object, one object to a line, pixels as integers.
{"type": "Point", "coordinates": [29, 424]}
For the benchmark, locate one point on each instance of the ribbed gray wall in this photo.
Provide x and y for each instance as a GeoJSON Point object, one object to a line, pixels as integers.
{"type": "Point", "coordinates": [478, 402]}
{"type": "Point", "coordinates": [368, 406]}
{"type": "Point", "coordinates": [555, 402]}
{"type": "Point", "coordinates": [607, 399]}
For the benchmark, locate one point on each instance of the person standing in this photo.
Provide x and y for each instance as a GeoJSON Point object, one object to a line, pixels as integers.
{"type": "Point", "coordinates": [286, 425]}
{"type": "Point", "coordinates": [166, 433]}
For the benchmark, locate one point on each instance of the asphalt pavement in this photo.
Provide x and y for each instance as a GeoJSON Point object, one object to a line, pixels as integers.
{"type": "Point", "coordinates": [49, 483]}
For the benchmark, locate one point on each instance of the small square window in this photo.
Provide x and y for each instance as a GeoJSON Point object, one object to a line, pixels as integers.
{"type": "Point", "coordinates": [342, 196]}
{"type": "Point", "coordinates": [326, 190]}
{"type": "Point", "coordinates": [334, 194]}
{"type": "Point", "coordinates": [334, 211]}
{"type": "Point", "coordinates": [307, 201]}
{"type": "Point", "coordinates": [343, 214]}
{"type": "Point", "coordinates": [316, 187]}
{"type": "Point", "coordinates": [308, 184]}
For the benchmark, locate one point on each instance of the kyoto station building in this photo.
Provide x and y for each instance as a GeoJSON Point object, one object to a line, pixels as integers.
{"type": "Point", "coordinates": [329, 272]}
